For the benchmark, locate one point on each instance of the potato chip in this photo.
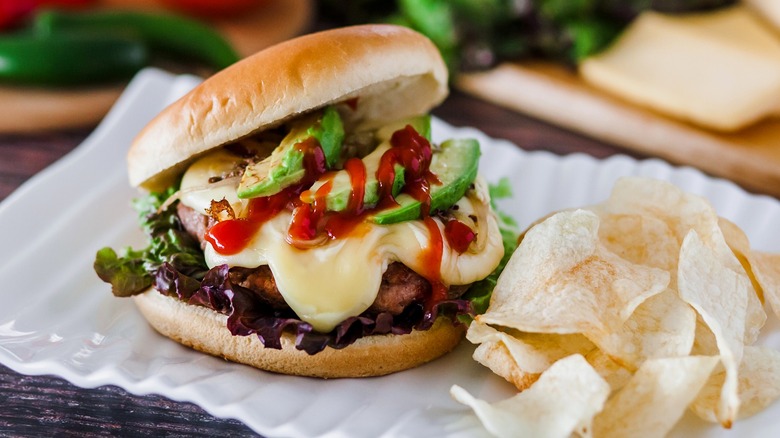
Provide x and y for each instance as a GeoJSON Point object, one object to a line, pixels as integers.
{"type": "Point", "coordinates": [707, 400]}
{"type": "Point", "coordinates": [655, 398]}
{"type": "Point", "coordinates": [647, 240]}
{"type": "Point", "coordinates": [644, 240]}
{"type": "Point", "coordinates": [521, 357]}
{"type": "Point", "coordinates": [662, 326]}
{"type": "Point", "coordinates": [680, 210]}
{"type": "Point", "coordinates": [562, 401]}
{"type": "Point", "coordinates": [758, 382]}
{"type": "Point", "coordinates": [562, 280]}
{"type": "Point", "coordinates": [738, 241]}
{"type": "Point", "coordinates": [609, 370]}
{"type": "Point", "coordinates": [759, 379]}
{"type": "Point", "coordinates": [497, 357]}
{"type": "Point", "coordinates": [719, 295]}
{"type": "Point", "coordinates": [704, 343]}
{"type": "Point", "coordinates": [755, 316]}
{"type": "Point", "coordinates": [662, 298]}
{"type": "Point", "coordinates": [766, 268]}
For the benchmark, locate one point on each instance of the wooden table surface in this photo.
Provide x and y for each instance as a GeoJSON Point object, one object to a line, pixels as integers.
{"type": "Point", "coordinates": [48, 406]}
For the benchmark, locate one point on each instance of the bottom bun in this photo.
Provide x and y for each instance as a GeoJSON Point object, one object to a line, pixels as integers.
{"type": "Point", "coordinates": [205, 330]}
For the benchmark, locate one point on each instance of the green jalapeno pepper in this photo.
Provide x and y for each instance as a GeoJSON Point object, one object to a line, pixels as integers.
{"type": "Point", "coordinates": [166, 33]}
{"type": "Point", "coordinates": [72, 58]}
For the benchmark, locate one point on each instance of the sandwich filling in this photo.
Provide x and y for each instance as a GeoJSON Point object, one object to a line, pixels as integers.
{"type": "Point", "coordinates": [326, 229]}
{"type": "Point", "coordinates": [339, 277]}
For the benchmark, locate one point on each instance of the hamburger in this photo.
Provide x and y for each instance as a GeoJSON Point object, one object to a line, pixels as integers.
{"type": "Point", "coordinates": [300, 218]}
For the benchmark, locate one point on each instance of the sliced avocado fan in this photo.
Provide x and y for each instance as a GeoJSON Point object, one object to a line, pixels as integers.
{"type": "Point", "coordinates": [285, 166]}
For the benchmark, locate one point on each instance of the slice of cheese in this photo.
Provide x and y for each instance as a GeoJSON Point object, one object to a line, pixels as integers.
{"type": "Point", "coordinates": [720, 70]}
{"type": "Point", "coordinates": [197, 192]}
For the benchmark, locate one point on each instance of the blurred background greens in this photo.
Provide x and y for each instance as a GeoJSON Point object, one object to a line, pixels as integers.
{"type": "Point", "coordinates": [477, 34]}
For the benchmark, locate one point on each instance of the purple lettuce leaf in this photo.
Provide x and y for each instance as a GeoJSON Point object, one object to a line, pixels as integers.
{"type": "Point", "coordinates": [249, 314]}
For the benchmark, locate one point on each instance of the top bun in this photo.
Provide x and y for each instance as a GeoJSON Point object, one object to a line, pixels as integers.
{"type": "Point", "coordinates": [393, 71]}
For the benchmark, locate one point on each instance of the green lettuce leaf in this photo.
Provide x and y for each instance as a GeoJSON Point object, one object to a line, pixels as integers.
{"type": "Point", "coordinates": [133, 271]}
{"type": "Point", "coordinates": [126, 274]}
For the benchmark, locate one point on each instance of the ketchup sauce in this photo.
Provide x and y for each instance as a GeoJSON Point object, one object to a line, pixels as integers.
{"type": "Point", "coordinates": [305, 217]}
{"type": "Point", "coordinates": [431, 259]}
{"type": "Point", "coordinates": [341, 225]}
{"type": "Point", "coordinates": [412, 151]}
{"type": "Point", "coordinates": [232, 236]}
{"type": "Point", "coordinates": [357, 179]}
{"type": "Point", "coordinates": [459, 235]}
{"type": "Point", "coordinates": [310, 221]}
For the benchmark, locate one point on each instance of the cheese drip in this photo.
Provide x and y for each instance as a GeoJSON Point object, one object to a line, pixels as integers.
{"type": "Point", "coordinates": [326, 284]}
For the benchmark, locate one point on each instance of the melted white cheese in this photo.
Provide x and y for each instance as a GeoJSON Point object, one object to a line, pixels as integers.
{"type": "Point", "coordinates": [197, 192]}
{"type": "Point", "coordinates": [328, 283]}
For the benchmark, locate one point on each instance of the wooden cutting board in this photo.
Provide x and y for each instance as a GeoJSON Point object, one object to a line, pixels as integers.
{"type": "Point", "coordinates": [30, 109]}
{"type": "Point", "coordinates": [750, 157]}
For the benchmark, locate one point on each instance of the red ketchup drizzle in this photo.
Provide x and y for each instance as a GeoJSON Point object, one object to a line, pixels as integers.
{"type": "Point", "coordinates": [309, 220]}
{"type": "Point", "coordinates": [431, 259]}
{"type": "Point", "coordinates": [306, 217]}
{"type": "Point", "coordinates": [357, 178]}
{"type": "Point", "coordinates": [342, 224]}
{"type": "Point", "coordinates": [459, 235]}
{"type": "Point", "coordinates": [413, 152]}
{"type": "Point", "coordinates": [232, 236]}
{"type": "Point", "coordinates": [409, 149]}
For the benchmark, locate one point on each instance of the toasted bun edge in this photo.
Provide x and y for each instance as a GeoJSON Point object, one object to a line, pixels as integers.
{"type": "Point", "coordinates": [205, 330]}
{"type": "Point", "coordinates": [394, 72]}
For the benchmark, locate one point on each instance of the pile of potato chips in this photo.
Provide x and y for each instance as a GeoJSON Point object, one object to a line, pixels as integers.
{"type": "Point", "coordinates": [615, 319]}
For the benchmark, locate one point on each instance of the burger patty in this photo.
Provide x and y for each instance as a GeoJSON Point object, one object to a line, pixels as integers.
{"type": "Point", "coordinates": [194, 223]}
{"type": "Point", "coordinates": [400, 285]}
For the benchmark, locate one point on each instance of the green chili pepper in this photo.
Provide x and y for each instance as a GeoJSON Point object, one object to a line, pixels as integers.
{"type": "Point", "coordinates": [72, 58]}
{"type": "Point", "coordinates": [167, 33]}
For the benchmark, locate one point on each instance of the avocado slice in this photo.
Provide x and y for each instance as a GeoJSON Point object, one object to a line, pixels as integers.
{"type": "Point", "coordinates": [330, 134]}
{"type": "Point", "coordinates": [285, 167]}
{"type": "Point", "coordinates": [338, 196]}
{"type": "Point", "coordinates": [456, 167]}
